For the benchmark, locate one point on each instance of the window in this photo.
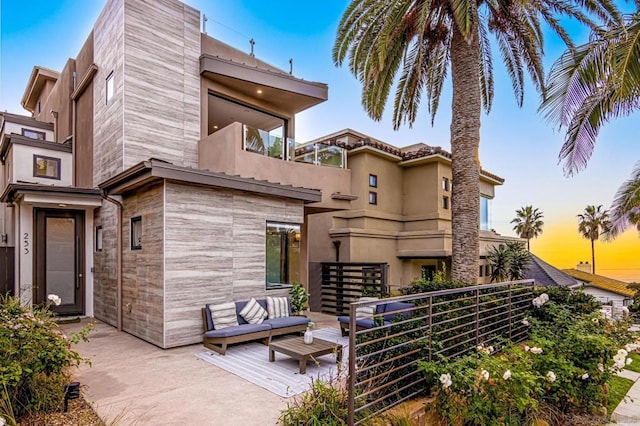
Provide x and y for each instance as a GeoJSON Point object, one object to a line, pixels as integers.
{"type": "Point", "coordinates": [373, 197]}
{"type": "Point", "coordinates": [136, 233]}
{"type": "Point", "coordinates": [33, 134]}
{"type": "Point", "coordinates": [480, 271]}
{"type": "Point", "coordinates": [445, 203]}
{"type": "Point", "coordinates": [283, 254]}
{"type": "Point", "coordinates": [485, 206]}
{"type": "Point", "coordinates": [428, 272]}
{"type": "Point", "coordinates": [487, 270]}
{"type": "Point", "coordinates": [98, 238]}
{"type": "Point", "coordinates": [373, 181]}
{"type": "Point", "coordinates": [109, 87]}
{"type": "Point", "coordinates": [39, 107]}
{"type": "Point", "coordinates": [445, 184]}
{"type": "Point", "coordinates": [46, 167]}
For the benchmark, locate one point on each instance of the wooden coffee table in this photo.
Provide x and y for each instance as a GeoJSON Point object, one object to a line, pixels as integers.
{"type": "Point", "coordinates": [297, 349]}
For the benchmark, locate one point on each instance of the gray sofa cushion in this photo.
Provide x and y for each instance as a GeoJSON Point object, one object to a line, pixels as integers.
{"type": "Point", "coordinates": [286, 321]}
{"type": "Point", "coordinates": [238, 330]}
{"type": "Point", "coordinates": [360, 322]}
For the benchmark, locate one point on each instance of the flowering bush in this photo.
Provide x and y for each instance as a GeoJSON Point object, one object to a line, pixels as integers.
{"type": "Point", "coordinates": [563, 369]}
{"type": "Point", "coordinates": [35, 358]}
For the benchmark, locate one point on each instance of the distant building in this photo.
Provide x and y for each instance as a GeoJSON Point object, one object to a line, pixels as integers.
{"type": "Point", "coordinates": [604, 289]}
{"type": "Point", "coordinates": [549, 276]}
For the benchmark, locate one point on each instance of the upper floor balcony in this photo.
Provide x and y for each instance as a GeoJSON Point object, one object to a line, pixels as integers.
{"type": "Point", "coordinates": [248, 151]}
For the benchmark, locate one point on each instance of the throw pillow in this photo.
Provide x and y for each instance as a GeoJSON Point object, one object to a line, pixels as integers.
{"type": "Point", "coordinates": [366, 311]}
{"type": "Point", "coordinates": [277, 307]}
{"type": "Point", "coordinates": [253, 313]}
{"type": "Point", "coordinates": [223, 315]}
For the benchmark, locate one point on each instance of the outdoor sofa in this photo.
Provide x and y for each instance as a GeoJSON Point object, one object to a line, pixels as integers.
{"type": "Point", "coordinates": [384, 314]}
{"type": "Point", "coordinates": [217, 338]}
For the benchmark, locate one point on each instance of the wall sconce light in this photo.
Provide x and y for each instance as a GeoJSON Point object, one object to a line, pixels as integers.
{"type": "Point", "coordinates": [5, 238]}
{"type": "Point", "coordinates": [296, 237]}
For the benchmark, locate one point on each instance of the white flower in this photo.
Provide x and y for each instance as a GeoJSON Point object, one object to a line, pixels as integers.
{"type": "Point", "coordinates": [2, 421]}
{"type": "Point", "coordinates": [536, 350]}
{"type": "Point", "coordinates": [507, 375]}
{"type": "Point", "coordinates": [525, 322]}
{"type": "Point", "coordinates": [630, 347]}
{"type": "Point", "coordinates": [623, 352]}
{"type": "Point", "coordinates": [594, 320]}
{"type": "Point", "coordinates": [551, 376]}
{"type": "Point", "coordinates": [544, 297]}
{"type": "Point", "coordinates": [55, 299]}
{"type": "Point", "coordinates": [526, 348]}
{"type": "Point", "coordinates": [585, 376]}
{"type": "Point", "coordinates": [490, 348]}
{"type": "Point", "coordinates": [484, 374]}
{"type": "Point", "coordinates": [601, 367]}
{"type": "Point", "coordinates": [629, 361]}
{"type": "Point", "coordinates": [625, 310]}
{"type": "Point", "coordinates": [445, 379]}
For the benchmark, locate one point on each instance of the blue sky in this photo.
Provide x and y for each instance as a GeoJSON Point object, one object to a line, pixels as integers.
{"type": "Point", "coordinates": [516, 143]}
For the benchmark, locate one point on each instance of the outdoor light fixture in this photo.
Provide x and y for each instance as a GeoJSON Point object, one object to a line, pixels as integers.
{"type": "Point", "coordinates": [5, 238]}
{"type": "Point", "coordinates": [71, 391]}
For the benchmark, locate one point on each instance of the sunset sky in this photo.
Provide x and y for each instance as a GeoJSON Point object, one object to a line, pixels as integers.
{"type": "Point", "coordinates": [516, 144]}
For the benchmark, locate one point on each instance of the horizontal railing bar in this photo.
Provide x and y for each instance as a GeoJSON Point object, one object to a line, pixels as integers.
{"type": "Point", "coordinates": [388, 360]}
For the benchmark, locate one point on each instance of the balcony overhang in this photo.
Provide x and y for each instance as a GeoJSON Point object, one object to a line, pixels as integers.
{"type": "Point", "coordinates": [61, 196]}
{"type": "Point", "coordinates": [154, 170]}
{"type": "Point", "coordinates": [279, 89]}
{"type": "Point", "coordinates": [39, 76]}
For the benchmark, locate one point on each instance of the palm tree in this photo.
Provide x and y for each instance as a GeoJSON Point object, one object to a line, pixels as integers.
{"type": "Point", "coordinates": [508, 261]}
{"type": "Point", "coordinates": [418, 41]}
{"type": "Point", "coordinates": [625, 210]}
{"type": "Point", "coordinates": [592, 84]}
{"type": "Point", "coordinates": [528, 223]}
{"type": "Point", "coordinates": [591, 223]}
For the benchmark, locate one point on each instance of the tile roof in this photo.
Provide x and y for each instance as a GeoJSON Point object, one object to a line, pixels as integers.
{"type": "Point", "coordinates": [546, 275]}
{"type": "Point", "coordinates": [604, 283]}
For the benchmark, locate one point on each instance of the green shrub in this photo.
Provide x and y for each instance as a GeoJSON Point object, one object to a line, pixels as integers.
{"type": "Point", "coordinates": [35, 359]}
{"type": "Point", "coordinates": [325, 404]}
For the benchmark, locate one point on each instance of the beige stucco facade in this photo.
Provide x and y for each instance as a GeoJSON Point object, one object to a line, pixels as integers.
{"type": "Point", "coordinates": [408, 223]}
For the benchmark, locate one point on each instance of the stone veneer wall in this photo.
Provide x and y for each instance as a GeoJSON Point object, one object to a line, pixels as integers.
{"type": "Point", "coordinates": [162, 82]}
{"type": "Point", "coordinates": [215, 252]}
{"type": "Point", "coordinates": [105, 276]}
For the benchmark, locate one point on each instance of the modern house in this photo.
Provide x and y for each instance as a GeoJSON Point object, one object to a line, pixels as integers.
{"type": "Point", "coordinates": [159, 171]}
{"type": "Point", "coordinates": [402, 213]}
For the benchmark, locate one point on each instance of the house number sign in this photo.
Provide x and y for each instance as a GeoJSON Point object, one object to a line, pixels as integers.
{"type": "Point", "coordinates": [26, 242]}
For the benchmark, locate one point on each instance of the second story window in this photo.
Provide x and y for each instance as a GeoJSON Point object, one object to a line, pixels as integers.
{"type": "Point", "coordinates": [373, 197]}
{"type": "Point", "coordinates": [446, 185]}
{"type": "Point", "coordinates": [46, 167]}
{"type": "Point", "coordinates": [485, 224]}
{"type": "Point", "coordinates": [373, 181]}
{"type": "Point", "coordinates": [110, 88]}
{"type": "Point", "coordinates": [445, 203]}
{"type": "Point", "coordinates": [33, 134]}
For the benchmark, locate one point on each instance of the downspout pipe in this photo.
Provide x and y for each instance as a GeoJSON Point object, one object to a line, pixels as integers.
{"type": "Point", "coordinates": [119, 207]}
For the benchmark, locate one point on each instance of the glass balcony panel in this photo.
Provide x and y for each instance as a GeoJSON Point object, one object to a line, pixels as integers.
{"type": "Point", "coordinates": [306, 154]}
{"type": "Point", "coordinates": [329, 155]}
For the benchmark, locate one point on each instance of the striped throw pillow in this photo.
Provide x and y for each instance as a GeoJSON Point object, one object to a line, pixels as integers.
{"type": "Point", "coordinates": [253, 313]}
{"type": "Point", "coordinates": [277, 307]}
{"type": "Point", "coordinates": [223, 315]}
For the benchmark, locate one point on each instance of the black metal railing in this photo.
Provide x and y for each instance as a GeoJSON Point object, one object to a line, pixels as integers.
{"type": "Point", "coordinates": [344, 283]}
{"type": "Point", "coordinates": [383, 359]}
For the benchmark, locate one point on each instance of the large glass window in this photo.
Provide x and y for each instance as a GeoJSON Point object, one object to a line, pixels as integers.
{"type": "Point", "coordinates": [485, 206]}
{"type": "Point", "coordinates": [283, 254]}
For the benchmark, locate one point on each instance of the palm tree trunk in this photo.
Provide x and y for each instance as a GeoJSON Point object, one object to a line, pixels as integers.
{"type": "Point", "coordinates": [465, 164]}
{"type": "Point", "coordinates": [593, 259]}
{"type": "Point", "coordinates": [528, 248]}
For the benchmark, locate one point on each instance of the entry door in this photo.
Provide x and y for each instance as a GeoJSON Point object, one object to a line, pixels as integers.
{"type": "Point", "coordinates": [60, 259]}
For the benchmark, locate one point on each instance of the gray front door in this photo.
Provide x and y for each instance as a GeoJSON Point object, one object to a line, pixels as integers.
{"type": "Point", "coordinates": [60, 259]}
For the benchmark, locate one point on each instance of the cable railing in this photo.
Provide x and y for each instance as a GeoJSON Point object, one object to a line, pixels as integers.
{"type": "Point", "coordinates": [387, 346]}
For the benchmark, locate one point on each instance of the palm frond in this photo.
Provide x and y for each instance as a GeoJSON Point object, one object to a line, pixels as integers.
{"type": "Point", "coordinates": [625, 209]}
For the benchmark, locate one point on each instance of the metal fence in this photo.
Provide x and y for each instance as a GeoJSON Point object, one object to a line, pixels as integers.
{"type": "Point", "coordinates": [344, 283]}
{"type": "Point", "coordinates": [385, 350]}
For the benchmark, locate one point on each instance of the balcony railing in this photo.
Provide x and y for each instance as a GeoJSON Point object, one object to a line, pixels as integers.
{"type": "Point", "coordinates": [265, 143]}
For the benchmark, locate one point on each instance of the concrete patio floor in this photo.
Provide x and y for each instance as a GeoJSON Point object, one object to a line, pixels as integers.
{"type": "Point", "coordinates": [133, 382]}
